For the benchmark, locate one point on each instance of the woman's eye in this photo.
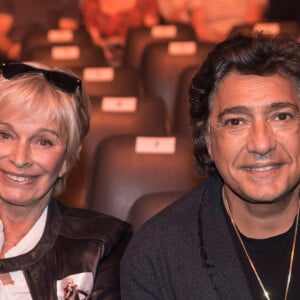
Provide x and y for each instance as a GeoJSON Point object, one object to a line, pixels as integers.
{"type": "Point", "coordinates": [45, 143]}
{"type": "Point", "coordinates": [5, 136]}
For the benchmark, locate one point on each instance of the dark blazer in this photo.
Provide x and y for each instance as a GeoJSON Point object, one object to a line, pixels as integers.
{"type": "Point", "coordinates": [185, 252]}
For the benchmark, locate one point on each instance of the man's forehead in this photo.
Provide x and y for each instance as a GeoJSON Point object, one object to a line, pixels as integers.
{"type": "Point", "coordinates": [252, 90]}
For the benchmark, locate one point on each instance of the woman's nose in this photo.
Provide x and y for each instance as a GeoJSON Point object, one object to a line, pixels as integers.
{"type": "Point", "coordinates": [20, 154]}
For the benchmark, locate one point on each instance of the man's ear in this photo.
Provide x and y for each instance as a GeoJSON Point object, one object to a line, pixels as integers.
{"type": "Point", "coordinates": [208, 144]}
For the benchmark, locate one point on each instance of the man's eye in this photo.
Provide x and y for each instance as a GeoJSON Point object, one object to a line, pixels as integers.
{"type": "Point", "coordinates": [233, 122]}
{"type": "Point", "coordinates": [284, 116]}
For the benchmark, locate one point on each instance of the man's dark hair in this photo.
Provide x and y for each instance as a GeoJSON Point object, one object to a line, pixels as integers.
{"type": "Point", "coordinates": [256, 54]}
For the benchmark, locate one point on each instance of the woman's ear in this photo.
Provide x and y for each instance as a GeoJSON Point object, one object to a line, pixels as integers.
{"type": "Point", "coordinates": [63, 169]}
{"type": "Point", "coordinates": [67, 165]}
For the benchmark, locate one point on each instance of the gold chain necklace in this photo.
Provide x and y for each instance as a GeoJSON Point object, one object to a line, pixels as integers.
{"type": "Point", "coordinates": [266, 294]}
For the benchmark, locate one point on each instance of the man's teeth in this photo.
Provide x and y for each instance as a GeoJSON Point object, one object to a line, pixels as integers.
{"type": "Point", "coordinates": [262, 169]}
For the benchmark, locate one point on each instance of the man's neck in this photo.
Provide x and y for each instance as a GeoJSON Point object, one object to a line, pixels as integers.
{"type": "Point", "coordinates": [262, 221]}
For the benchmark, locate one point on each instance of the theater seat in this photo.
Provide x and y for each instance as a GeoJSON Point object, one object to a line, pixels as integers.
{"type": "Point", "coordinates": [110, 81]}
{"type": "Point", "coordinates": [181, 124]}
{"type": "Point", "coordinates": [162, 64]}
{"type": "Point", "coordinates": [281, 27]}
{"type": "Point", "coordinates": [41, 37]}
{"type": "Point", "coordinates": [112, 116]}
{"type": "Point", "coordinates": [127, 167]}
{"type": "Point", "coordinates": [149, 205]}
{"type": "Point", "coordinates": [140, 37]}
{"type": "Point", "coordinates": [69, 56]}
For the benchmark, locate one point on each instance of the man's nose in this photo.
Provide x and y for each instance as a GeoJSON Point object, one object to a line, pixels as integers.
{"type": "Point", "coordinates": [261, 138]}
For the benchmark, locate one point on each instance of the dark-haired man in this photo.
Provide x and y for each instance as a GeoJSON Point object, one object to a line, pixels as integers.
{"type": "Point", "coordinates": [236, 235]}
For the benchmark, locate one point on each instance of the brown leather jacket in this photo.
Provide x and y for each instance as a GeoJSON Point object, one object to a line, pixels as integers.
{"type": "Point", "coordinates": [80, 246]}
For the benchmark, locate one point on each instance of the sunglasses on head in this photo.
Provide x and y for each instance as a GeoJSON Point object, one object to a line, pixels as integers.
{"type": "Point", "coordinates": [63, 81]}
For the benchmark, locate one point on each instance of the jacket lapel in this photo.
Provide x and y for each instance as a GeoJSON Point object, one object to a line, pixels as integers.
{"type": "Point", "coordinates": [218, 249]}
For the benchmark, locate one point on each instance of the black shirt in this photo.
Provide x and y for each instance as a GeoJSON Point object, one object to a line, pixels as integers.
{"type": "Point", "coordinates": [271, 258]}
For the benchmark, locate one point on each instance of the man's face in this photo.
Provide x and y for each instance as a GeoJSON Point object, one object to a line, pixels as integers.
{"type": "Point", "coordinates": [254, 136]}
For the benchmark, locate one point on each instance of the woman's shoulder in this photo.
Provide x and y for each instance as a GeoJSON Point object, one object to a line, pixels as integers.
{"type": "Point", "coordinates": [84, 223]}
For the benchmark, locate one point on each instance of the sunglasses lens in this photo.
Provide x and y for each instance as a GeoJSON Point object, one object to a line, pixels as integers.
{"type": "Point", "coordinates": [62, 81]}
{"type": "Point", "coordinates": [11, 70]}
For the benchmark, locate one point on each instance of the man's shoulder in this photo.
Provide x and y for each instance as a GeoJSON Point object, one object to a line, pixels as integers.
{"type": "Point", "coordinates": [188, 205]}
{"type": "Point", "coordinates": [180, 218]}
{"type": "Point", "coordinates": [171, 235]}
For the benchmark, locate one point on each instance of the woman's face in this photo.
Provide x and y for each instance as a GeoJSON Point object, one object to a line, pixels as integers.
{"type": "Point", "coordinates": [32, 157]}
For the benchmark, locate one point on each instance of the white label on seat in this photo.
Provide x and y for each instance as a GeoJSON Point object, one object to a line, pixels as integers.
{"type": "Point", "coordinates": [182, 48]}
{"type": "Point", "coordinates": [65, 52]}
{"type": "Point", "coordinates": [156, 145]}
{"type": "Point", "coordinates": [96, 74]}
{"type": "Point", "coordinates": [163, 31]}
{"type": "Point", "coordinates": [119, 104]}
{"type": "Point", "coordinates": [268, 28]}
{"type": "Point", "coordinates": [60, 35]}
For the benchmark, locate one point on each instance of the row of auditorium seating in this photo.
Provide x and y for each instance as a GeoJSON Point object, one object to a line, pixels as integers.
{"type": "Point", "coordinates": [283, 27]}
{"type": "Point", "coordinates": [137, 157]}
{"type": "Point", "coordinates": [162, 63]}
{"type": "Point", "coordinates": [63, 48]}
{"type": "Point", "coordinates": [139, 38]}
{"type": "Point", "coordinates": [75, 48]}
{"type": "Point", "coordinates": [110, 81]}
{"type": "Point", "coordinates": [143, 115]}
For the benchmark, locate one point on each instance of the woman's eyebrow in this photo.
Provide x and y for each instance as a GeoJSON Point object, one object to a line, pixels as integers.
{"type": "Point", "coordinates": [48, 130]}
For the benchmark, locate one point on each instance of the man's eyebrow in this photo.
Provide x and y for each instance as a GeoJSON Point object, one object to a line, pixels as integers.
{"type": "Point", "coordinates": [233, 110]}
{"type": "Point", "coordinates": [280, 105]}
{"type": "Point", "coordinates": [245, 110]}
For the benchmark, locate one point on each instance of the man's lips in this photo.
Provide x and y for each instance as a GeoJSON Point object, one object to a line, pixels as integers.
{"type": "Point", "coordinates": [262, 167]}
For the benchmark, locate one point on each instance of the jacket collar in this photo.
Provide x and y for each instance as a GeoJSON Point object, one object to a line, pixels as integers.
{"type": "Point", "coordinates": [47, 241]}
{"type": "Point", "coordinates": [217, 246]}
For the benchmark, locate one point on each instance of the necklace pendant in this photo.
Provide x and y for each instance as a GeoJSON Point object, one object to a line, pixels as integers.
{"type": "Point", "coordinates": [267, 295]}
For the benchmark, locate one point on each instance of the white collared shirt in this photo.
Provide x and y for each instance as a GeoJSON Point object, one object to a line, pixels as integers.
{"type": "Point", "coordinates": [19, 289]}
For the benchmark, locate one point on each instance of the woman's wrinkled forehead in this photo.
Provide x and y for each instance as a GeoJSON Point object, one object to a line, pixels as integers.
{"type": "Point", "coordinates": [31, 105]}
{"type": "Point", "coordinates": [13, 113]}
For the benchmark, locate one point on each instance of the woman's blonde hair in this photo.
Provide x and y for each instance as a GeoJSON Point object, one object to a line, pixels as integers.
{"type": "Point", "coordinates": [32, 96]}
